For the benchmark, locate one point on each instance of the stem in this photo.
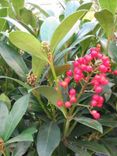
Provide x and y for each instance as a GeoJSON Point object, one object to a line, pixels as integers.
{"type": "Point", "coordinates": [66, 128]}
{"type": "Point", "coordinates": [81, 92]}
{"type": "Point", "coordinates": [53, 72]}
{"type": "Point", "coordinates": [71, 128]}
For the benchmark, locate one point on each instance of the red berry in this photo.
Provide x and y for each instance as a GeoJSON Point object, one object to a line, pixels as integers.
{"type": "Point", "coordinates": [69, 73]}
{"type": "Point", "coordinates": [103, 68]}
{"type": "Point", "coordinates": [73, 99]}
{"type": "Point", "coordinates": [98, 89]}
{"type": "Point", "coordinates": [67, 104]}
{"type": "Point", "coordinates": [67, 79]}
{"type": "Point", "coordinates": [95, 114]}
{"type": "Point", "coordinates": [72, 92]}
{"type": "Point", "coordinates": [94, 53]}
{"type": "Point", "coordinates": [115, 72]}
{"type": "Point", "coordinates": [76, 63]}
{"type": "Point", "coordinates": [88, 58]}
{"type": "Point", "coordinates": [95, 97]}
{"type": "Point", "coordinates": [89, 69]}
{"type": "Point", "coordinates": [64, 84]}
{"type": "Point", "coordinates": [59, 103]}
{"type": "Point", "coordinates": [93, 103]}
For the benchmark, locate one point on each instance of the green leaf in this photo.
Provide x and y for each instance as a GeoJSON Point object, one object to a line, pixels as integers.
{"type": "Point", "coordinates": [112, 50]}
{"type": "Point", "coordinates": [3, 13]}
{"type": "Point", "coordinates": [71, 7]}
{"type": "Point", "coordinates": [16, 114]}
{"type": "Point", "coordinates": [21, 148]}
{"type": "Point", "coordinates": [50, 93]}
{"type": "Point", "coordinates": [90, 123]}
{"type": "Point", "coordinates": [48, 139]}
{"type": "Point", "coordinates": [26, 135]}
{"type": "Point", "coordinates": [14, 60]}
{"type": "Point", "coordinates": [109, 121]}
{"type": "Point", "coordinates": [75, 148]}
{"type": "Point", "coordinates": [17, 6]}
{"type": "Point", "coordinates": [16, 80]}
{"type": "Point", "coordinates": [6, 100]}
{"type": "Point", "coordinates": [109, 5]}
{"type": "Point", "coordinates": [38, 66]}
{"type": "Point", "coordinates": [40, 9]}
{"type": "Point", "coordinates": [27, 17]}
{"type": "Point", "coordinates": [3, 117]}
{"type": "Point", "coordinates": [94, 146]}
{"type": "Point", "coordinates": [106, 20]}
{"type": "Point", "coordinates": [28, 43]}
{"type": "Point", "coordinates": [65, 27]}
{"type": "Point", "coordinates": [60, 70]}
{"type": "Point", "coordinates": [85, 5]}
{"type": "Point", "coordinates": [48, 27]}
{"type": "Point", "coordinates": [16, 24]}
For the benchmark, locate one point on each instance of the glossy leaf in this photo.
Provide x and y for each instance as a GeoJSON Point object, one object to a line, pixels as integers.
{"type": "Point", "coordinates": [27, 17]}
{"type": "Point", "coordinates": [60, 69]}
{"type": "Point", "coordinates": [16, 24]}
{"type": "Point", "coordinates": [3, 117]}
{"type": "Point", "coordinates": [71, 7]}
{"type": "Point", "coordinates": [48, 139]}
{"type": "Point", "coordinates": [48, 27]}
{"type": "Point", "coordinates": [50, 93]}
{"type": "Point", "coordinates": [109, 121]}
{"type": "Point", "coordinates": [26, 135]}
{"type": "Point", "coordinates": [45, 13]}
{"type": "Point", "coordinates": [16, 114]}
{"type": "Point", "coordinates": [17, 6]}
{"type": "Point", "coordinates": [3, 13]}
{"type": "Point", "coordinates": [6, 100]}
{"type": "Point", "coordinates": [21, 148]}
{"type": "Point", "coordinates": [90, 123]}
{"type": "Point", "coordinates": [109, 5]}
{"type": "Point", "coordinates": [106, 20]}
{"type": "Point", "coordinates": [38, 66]}
{"type": "Point", "coordinates": [16, 80]}
{"type": "Point", "coordinates": [94, 146]}
{"type": "Point", "coordinates": [13, 59]}
{"type": "Point", "coordinates": [28, 43]}
{"type": "Point", "coordinates": [65, 27]}
{"type": "Point", "coordinates": [112, 50]}
{"type": "Point", "coordinates": [86, 6]}
{"type": "Point", "coordinates": [77, 149]}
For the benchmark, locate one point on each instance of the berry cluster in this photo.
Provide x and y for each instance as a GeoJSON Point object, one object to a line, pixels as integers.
{"type": "Point", "coordinates": [90, 70]}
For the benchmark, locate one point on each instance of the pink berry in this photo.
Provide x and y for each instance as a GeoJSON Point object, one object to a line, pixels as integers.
{"type": "Point", "coordinates": [64, 84]}
{"type": "Point", "coordinates": [67, 104]}
{"type": "Point", "coordinates": [72, 92]}
{"type": "Point", "coordinates": [115, 72]}
{"type": "Point", "coordinates": [73, 99]}
{"type": "Point", "coordinates": [95, 114]}
{"type": "Point", "coordinates": [98, 89]}
{"type": "Point", "coordinates": [103, 68]}
{"type": "Point", "coordinates": [93, 103]}
{"type": "Point", "coordinates": [67, 79]}
{"type": "Point", "coordinates": [89, 69]}
{"type": "Point", "coordinates": [88, 58]}
{"type": "Point", "coordinates": [59, 103]}
{"type": "Point", "coordinates": [69, 73]}
{"type": "Point", "coordinates": [94, 53]}
{"type": "Point", "coordinates": [95, 97]}
{"type": "Point", "coordinates": [75, 63]}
